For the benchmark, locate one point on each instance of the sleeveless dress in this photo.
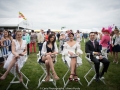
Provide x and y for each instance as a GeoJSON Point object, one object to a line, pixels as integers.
{"type": "Point", "coordinates": [75, 49]}
{"type": "Point", "coordinates": [19, 49]}
{"type": "Point", "coordinates": [48, 50]}
{"type": "Point", "coordinates": [6, 50]}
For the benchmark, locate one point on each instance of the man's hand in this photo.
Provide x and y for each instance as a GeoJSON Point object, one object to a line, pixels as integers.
{"type": "Point", "coordinates": [100, 57]}
{"type": "Point", "coordinates": [96, 53]}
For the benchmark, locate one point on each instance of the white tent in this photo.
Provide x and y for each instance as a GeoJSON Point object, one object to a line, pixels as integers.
{"type": "Point", "coordinates": [13, 22]}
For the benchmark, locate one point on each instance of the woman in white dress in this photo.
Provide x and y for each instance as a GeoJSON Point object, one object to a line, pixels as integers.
{"type": "Point", "coordinates": [78, 36]}
{"type": "Point", "coordinates": [71, 50]}
{"type": "Point", "coordinates": [17, 57]}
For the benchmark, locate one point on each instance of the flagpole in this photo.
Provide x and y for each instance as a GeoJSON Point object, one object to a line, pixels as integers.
{"type": "Point", "coordinates": [18, 21]}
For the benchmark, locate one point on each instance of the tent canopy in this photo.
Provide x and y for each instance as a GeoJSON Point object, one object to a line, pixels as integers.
{"type": "Point", "coordinates": [5, 22]}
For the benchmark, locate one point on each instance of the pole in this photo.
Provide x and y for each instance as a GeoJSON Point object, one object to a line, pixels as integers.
{"type": "Point", "coordinates": [18, 21]}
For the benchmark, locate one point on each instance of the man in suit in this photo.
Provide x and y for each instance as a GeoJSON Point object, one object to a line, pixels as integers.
{"type": "Point", "coordinates": [92, 47]}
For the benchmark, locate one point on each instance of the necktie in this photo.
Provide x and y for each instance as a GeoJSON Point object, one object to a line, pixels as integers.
{"type": "Point", "coordinates": [93, 44]}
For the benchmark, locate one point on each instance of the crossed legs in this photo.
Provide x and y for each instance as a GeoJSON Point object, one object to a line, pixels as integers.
{"type": "Point", "coordinates": [49, 65]}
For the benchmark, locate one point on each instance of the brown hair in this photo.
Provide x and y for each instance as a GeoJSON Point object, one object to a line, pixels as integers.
{"type": "Point", "coordinates": [70, 34]}
{"type": "Point", "coordinates": [116, 30]}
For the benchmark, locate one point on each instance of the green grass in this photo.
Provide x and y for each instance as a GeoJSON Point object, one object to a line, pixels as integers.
{"type": "Point", "coordinates": [33, 71]}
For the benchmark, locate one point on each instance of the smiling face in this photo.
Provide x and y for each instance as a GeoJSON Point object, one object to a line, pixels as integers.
{"type": "Point", "coordinates": [6, 33]}
{"type": "Point", "coordinates": [92, 36]}
{"type": "Point", "coordinates": [71, 36]}
{"type": "Point", "coordinates": [18, 35]}
{"type": "Point", "coordinates": [52, 38]}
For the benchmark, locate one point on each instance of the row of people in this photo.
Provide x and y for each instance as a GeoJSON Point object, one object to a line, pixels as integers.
{"type": "Point", "coordinates": [49, 50]}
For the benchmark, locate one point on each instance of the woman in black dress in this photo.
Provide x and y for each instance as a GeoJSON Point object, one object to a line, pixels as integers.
{"type": "Point", "coordinates": [49, 50]}
{"type": "Point", "coordinates": [116, 45]}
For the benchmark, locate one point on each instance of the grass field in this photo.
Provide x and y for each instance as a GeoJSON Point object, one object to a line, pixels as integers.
{"type": "Point", "coordinates": [33, 71]}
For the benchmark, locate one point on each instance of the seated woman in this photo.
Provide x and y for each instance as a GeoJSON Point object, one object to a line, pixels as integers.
{"type": "Point", "coordinates": [71, 51]}
{"type": "Point", "coordinates": [49, 50]}
{"type": "Point", "coordinates": [19, 49]}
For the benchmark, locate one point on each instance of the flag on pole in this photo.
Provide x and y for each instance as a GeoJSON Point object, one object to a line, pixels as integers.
{"type": "Point", "coordinates": [22, 16]}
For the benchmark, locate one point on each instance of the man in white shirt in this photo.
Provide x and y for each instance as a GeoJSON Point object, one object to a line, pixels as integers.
{"type": "Point", "coordinates": [40, 38]}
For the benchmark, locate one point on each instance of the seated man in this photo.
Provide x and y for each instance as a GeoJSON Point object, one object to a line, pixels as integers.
{"type": "Point", "coordinates": [92, 47]}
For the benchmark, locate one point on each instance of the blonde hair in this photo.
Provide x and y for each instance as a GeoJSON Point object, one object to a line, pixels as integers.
{"type": "Point", "coordinates": [18, 31]}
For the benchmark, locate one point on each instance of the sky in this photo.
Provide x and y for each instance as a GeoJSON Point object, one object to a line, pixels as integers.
{"type": "Point", "coordinates": [72, 14]}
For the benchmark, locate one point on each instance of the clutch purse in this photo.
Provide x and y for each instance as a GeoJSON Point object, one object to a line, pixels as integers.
{"type": "Point", "coordinates": [73, 56]}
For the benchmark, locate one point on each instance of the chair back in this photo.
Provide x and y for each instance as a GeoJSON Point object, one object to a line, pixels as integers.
{"type": "Point", "coordinates": [87, 56]}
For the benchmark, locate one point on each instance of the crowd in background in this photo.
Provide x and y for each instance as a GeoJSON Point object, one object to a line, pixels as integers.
{"type": "Point", "coordinates": [108, 42]}
{"type": "Point", "coordinates": [34, 38]}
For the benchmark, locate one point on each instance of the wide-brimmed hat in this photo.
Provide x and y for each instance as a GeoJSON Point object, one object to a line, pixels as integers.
{"type": "Point", "coordinates": [106, 30]}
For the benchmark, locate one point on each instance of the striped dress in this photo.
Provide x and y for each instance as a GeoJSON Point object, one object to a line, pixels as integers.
{"type": "Point", "coordinates": [7, 49]}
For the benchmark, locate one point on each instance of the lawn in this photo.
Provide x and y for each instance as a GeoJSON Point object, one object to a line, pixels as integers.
{"type": "Point", "coordinates": [33, 71]}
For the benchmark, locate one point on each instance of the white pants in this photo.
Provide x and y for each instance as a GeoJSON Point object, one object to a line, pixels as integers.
{"type": "Point", "coordinates": [104, 52]}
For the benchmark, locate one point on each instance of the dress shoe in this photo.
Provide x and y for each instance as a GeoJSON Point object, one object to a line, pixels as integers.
{"type": "Point", "coordinates": [97, 78]}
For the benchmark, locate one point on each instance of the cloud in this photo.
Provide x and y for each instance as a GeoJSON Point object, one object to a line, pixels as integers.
{"type": "Point", "coordinates": [73, 14]}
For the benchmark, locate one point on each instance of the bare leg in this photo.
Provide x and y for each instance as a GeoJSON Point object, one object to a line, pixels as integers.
{"type": "Point", "coordinates": [75, 76]}
{"type": "Point", "coordinates": [73, 66]}
{"type": "Point", "coordinates": [20, 74]}
{"type": "Point", "coordinates": [48, 70]}
{"type": "Point", "coordinates": [9, 68]}
{"type": "Point", "coordinates": [50, 62]}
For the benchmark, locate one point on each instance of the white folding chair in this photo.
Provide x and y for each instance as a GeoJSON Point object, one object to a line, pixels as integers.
{"type": "Point", "coordinates": [42, 78]}
{"type": "Point", "coordinates": [92, 68]}
{"type": "Point", "coordinates": [64, 81]}
{"type": "Point", "coordinates": [16, 76]}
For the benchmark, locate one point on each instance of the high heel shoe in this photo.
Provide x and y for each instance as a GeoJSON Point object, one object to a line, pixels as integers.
{"type": "Point", "coordinates": [47, 78]}
{"type": "Point", "coordinates": [71, 79]}
{"type": "Point", "coordinates": [55, 77]}
{"type": "Point", "coordinates": [75, 78]}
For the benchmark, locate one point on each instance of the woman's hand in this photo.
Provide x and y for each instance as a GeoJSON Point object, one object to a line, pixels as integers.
{"type": "Point", "coordinates": [17, 56]}
{"type": "Point", "coordinates": [71, 53]}
{"type": "Point", "coordinates": [112, 45]}
{"type": "Point", "coordinates": [21, 54]}
{"type": "Point", "coordinates": [78, 53]}
{"type": "Point", "coordinates": [48, 53]}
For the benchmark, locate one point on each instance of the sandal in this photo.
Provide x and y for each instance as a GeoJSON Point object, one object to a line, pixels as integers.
{"type": "Point", "coordinates": [76, 78]}
{"type": "Point", "coordinates": [71, 79]}
{"type": "Point", "coordinates": [47, 78]}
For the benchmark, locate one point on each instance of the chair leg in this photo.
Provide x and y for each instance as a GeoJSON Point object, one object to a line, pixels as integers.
{"type": "Point", "coordinates": [79, 82]}
{"type": "Point", "coordinates": [102, 79]}
{"type": "Point", "coordinates": [25, 84]}
{"type": "Point", "coordinates": [91, 80]}
{"type": "Point", "coordinates": [10, 83]}
{"type": "Point", "coordinates": [65, 76]}
{"type": "Point", "coordinates": [86, 75]}
{"type": "Point", "coordinates": [40, 80]}
{"type": "Point", "coordinates": [13, 81]}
